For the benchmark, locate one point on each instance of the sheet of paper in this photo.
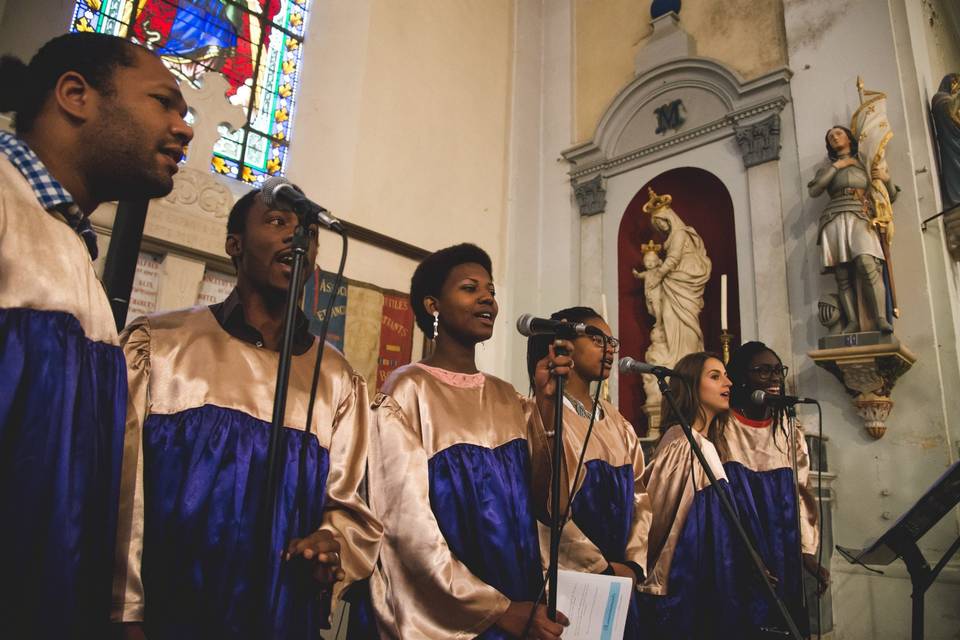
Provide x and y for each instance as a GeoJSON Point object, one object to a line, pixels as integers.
{"type": "Point", "coordinates": [596, 605]}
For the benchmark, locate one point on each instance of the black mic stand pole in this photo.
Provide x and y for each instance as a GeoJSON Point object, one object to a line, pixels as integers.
{"type": "Point", "coordinates": [556, 522]}
{"type": "Point", "coordinates": [728, 508]}
{"type": "Point", "coordinates": [783, 416]}
{"type": "Point", "coordinates": [300, 244]}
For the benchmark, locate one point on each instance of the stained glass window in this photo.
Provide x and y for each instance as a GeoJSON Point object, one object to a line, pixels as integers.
{"type": "Point", "coordinates": [255, 44]}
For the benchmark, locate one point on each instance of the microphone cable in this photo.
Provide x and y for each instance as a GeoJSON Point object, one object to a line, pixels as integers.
{"type": "Point", "coordinates": [325, 326]}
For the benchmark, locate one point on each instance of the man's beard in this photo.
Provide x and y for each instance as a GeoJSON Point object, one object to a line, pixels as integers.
{"type": "Point", "coordinates": [121, 165]}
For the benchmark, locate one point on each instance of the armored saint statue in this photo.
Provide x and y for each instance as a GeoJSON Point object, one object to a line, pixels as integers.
{"type": "Point", "coordinates": [856, 226]}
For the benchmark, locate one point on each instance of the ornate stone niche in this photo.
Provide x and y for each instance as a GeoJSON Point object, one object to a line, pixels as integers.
{"type": "Point", "coordinates": [733, 127]}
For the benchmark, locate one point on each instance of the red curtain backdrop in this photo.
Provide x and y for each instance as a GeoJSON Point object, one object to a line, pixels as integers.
{"type": "Point", "coordinates": [703, 202]}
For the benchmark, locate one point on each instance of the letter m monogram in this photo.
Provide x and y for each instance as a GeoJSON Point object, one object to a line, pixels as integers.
{"type": "Point", "coordinates": [669, 116]}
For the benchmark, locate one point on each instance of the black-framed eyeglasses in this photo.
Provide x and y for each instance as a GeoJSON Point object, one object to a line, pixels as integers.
{"type": "Point", "coordinates": [769, 371]}
{"type": "Point", "coordinates": [611, 342]}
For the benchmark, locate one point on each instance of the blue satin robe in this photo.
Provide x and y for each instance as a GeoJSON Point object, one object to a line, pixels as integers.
{"type": "Point", "coordinates": [202, 400]}
{"type": "Point", "coordinates": [700, 583]}
{"type": "Point", "coordinates": [759, 467]}
{"type": "Point", "coordinates": [611, 512]}
{"type": "Point", "coordinates": [62, 400]}
{"type": "Point", "coordinates": [450, 478]}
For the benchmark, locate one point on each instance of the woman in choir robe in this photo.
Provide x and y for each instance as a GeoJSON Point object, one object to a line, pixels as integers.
{"type": "Point", "coordinates": [699, 584]}
{"type": "Point", "coordinates": [610, 514]}
{"type": "Point", "coordinates": [190, 561]}
{"type": "Point", "coordinates": [450, 472]}
{"type": "Point", "coordinates": [760, 448]}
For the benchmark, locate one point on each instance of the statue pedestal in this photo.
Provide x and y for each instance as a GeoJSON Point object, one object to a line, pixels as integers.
{"type": "Point", "coordinates": [868, 365]}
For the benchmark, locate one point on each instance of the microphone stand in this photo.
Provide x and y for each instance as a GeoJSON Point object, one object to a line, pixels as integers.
{"type": "Point", "coordinates": [784, 417]}
{"type": "Point", "coordinates": [556, 519]}
{"type": "Point", "coordinates": [299, 245]}
{"type": "Point", "coordinates": [728, 508]}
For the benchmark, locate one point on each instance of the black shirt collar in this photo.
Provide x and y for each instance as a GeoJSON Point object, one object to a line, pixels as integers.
{"type": "Point", "coordinates": [229, 314]}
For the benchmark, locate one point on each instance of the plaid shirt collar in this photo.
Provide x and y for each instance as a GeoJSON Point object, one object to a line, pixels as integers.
{"type": "Point", "coordinates": [49, 193]}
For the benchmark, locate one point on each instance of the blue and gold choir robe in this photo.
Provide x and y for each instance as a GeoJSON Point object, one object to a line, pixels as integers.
{"type": "Point", "coordinates": [610, 514]}
{"type": "Point", "coordinates": [62, 402]}
{"type": "Point", "coordinates": [759, 467]}
{"type": "Point", "coordinates": [450, 478]}
{"type": "Point", "coordinates": [198, 428]}
{"type": "Point", "coordinates": [700, 583]}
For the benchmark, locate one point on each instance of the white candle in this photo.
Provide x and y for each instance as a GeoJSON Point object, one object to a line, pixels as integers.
{"type": "Point", "coordinates": [603, 307]}
{"type": "Point", "coordinates": [723, 302]}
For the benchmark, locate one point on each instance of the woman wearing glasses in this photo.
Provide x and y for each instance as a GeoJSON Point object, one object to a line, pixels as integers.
{"type": "Point", "coordinates": [760, 448]}
{"type": "Point", "coordinates": [610, 511]}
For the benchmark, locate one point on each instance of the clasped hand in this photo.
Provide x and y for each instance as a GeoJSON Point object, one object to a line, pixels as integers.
{"type": "Point", "coordinates": [323, 550]}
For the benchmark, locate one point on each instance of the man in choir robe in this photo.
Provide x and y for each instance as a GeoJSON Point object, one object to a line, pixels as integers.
{"type": "Point", "coordinates": [198, 425]}
{"type": "Point", "coordinates": [97, 119]}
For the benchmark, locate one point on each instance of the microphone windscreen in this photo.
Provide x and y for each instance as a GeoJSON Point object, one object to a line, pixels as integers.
{"type": "Point", "coordinates": [269, 189]}
{"type": "Point", "coordinates": [758, 397]}
{"type": "Point", "coordinates": [523, 325]}
{"type": "Point", "coordinates": [626, 364]}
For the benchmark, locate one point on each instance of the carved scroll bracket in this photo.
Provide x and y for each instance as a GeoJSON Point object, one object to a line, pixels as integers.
{"type": "Point", "coordinates": [868, 372]}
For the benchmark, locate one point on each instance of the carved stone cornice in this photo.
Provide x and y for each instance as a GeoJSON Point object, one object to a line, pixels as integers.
{"type": "Point", "coordinates": [759, 142]}
{"type": "Point", "coordinates": [719, 100]}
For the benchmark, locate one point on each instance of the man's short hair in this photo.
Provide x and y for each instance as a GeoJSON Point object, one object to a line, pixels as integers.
{"type": "Point", "coordinates": [237, 220]}
{"type": "Point", "coordinates": [24, 88]}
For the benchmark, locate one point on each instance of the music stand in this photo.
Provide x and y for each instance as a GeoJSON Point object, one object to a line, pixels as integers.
{"type": "Point", "coordinates": [900, 541]}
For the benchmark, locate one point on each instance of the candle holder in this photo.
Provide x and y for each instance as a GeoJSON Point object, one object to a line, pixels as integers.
{"type": "Point", "coordinates": [725, 338]}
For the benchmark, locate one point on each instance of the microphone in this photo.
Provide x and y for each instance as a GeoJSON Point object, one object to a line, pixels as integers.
{"type": "Point", "coordinates": [280, 193]}
{"type": "Point", "coordinates": [629, 365]}
{"type": "Point", "coordinates": [529, 326]}
{"type": "Point", "coordinates": [763, 399]}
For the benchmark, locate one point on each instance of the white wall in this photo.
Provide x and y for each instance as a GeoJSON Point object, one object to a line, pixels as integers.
{"type": "Point", "coordinates": [830, 43]}
{"type": "Point", "coordinates": [543, 223]}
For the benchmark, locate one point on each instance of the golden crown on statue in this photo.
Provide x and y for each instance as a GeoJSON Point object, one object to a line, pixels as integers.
{"type": "Point", "coordinates": [656, 202]}
{"type": "Point", "coordinates": [650, 246]}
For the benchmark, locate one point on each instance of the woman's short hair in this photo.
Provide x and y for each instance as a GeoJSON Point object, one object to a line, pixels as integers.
{"type": "Point", "coordinates": [432, 272]}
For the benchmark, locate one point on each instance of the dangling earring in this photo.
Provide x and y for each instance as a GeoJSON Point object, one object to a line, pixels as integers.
{"type": "Point", "coordinates": [436, 324]}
